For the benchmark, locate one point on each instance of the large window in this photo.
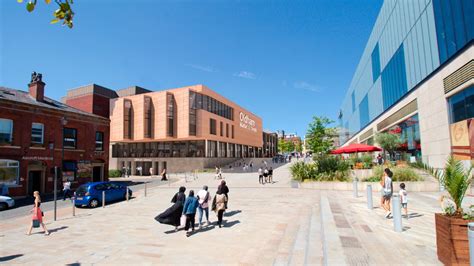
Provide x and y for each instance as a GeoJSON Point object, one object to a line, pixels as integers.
{"type": "Point", "coordinates": [461, 105]}
{"type": "Point", "coordinates": [127, 119]}
{"type": "Point", "coordinates": [394, 79]}
{"type": "Point", "coordinates": [170, 103]}
{"type": "Point", "coordinates": [9, 172]}
{"type": "Point", "coordinates": [99, 141]}
{"type": "Point", "coordinates": [232, 131]}
{"type": "Point", "coordinates": [193, 103]}
{"type": "Point", "coordinates": [227, 130]}
{"type": "Point", "coordinates": [211, 148]}
{"type": "Point", "coordinates": [6, 131]}
{"type": "Point", "coordinates": [70, 138]}
{"type": "Point", "coordinates": [148, 118]}
{"type": "Point", "coordinates": [70, 170]}
{"type": "Point", "coordinates": [207, 103]}
{"type": "Point", "coordinates": [37, 133]}
{"type": "Point", "coordinates": [212, 127]}
{"type": "Point", "coordinates": [222, 129]}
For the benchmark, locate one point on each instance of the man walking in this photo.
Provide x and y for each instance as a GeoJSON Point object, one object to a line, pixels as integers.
{"type": "Point", "coordinates": [66, 189]}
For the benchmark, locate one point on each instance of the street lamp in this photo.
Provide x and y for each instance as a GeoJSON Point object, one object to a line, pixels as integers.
{"type": "Point", "coordinates": [63, 123]}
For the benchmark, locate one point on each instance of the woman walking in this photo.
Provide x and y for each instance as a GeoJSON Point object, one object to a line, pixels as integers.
{"type": "Point", "coordinates": [163, 175]}
{"type": "Point", "coordinates": [219, 206]}
{"type": "Point", "coordinates": [37, 218]}
{"type": "Point", "coordinates": [190, 206]}
{"type": "Point", "coordinates": [225, 190]}
{"type": "Point", "coordinates": [172, 215]}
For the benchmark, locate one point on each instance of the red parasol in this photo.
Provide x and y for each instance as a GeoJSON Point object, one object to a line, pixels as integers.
{"type": "Point", "coordinates": [353, 148]}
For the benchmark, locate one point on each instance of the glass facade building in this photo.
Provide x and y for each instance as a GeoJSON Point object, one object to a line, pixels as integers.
{"type": "Point", "coordinates": [410, 40]}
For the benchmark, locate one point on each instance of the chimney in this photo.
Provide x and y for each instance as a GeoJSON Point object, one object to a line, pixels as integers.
{"type": "Point", "coordinates": [36, 87]}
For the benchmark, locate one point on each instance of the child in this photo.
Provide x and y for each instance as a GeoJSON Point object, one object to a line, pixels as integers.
{"type": "Point", "coordinates": [404, 198]}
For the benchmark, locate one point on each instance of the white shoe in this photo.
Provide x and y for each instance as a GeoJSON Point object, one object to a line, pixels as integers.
{"type": "Point", "coordinates": [388, 214]}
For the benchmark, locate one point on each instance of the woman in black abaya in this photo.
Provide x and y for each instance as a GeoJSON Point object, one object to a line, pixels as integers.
{"type": "Point", "coordinates": [172, 215]}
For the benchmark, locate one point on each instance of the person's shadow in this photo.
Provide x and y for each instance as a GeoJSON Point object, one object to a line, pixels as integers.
{"type": "Point", "coordinates": [232, 213]}
{"type": "Point", "coordinates": [54, 230]}
{"type": "Point", "coordinates": [10, 257]}
{"type": "Point", "coordinates": [230, 224]}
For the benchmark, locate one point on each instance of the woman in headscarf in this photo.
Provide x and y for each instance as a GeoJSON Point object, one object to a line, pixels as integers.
{"type": "Point", "coordinates": [172, 215]}
{"type": "Point", "coordinates": [225, 190]}
{"type": "Point", "coordinates": [219, 204]}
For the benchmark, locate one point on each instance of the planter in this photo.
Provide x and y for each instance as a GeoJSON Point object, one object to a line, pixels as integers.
{"type": "Point", "coordinates": [451, 240]}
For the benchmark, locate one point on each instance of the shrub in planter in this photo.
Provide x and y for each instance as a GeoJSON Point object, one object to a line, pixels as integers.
{"type": "Point", "coordinates": [301, 171]}
{"type": "Point", "coordinates": [451, 229]}
{"type": "Point", "coordinates": [400, 174]}
{"type": "Point", "coordinates": [115, 173]}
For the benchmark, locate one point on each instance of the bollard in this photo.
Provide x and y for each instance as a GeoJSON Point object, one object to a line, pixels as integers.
{"type": "Point", "coordinates": [127, 195]}
{"type": "Point", "coordinates": [397, 213]}
{"type": "Point", "coordinates": [370, 204]}
{"type": "Point", "coordinates": [103, 199]}
{"type": "Point", "coordinates": [354, 188]}
{"type": "Point", "coordinates": [470, 234]}
{"type": "Point", "coordinates": [145, 189]}
{"type": "Point", "coordinates": [74, 206]}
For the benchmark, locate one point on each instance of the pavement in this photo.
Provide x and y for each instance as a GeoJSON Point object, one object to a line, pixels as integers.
{"type": "Point", "coordinates": [271, 224]}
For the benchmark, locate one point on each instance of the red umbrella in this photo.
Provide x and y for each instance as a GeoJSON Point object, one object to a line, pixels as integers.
{"type": "Point", "coordinates": [353, 148]}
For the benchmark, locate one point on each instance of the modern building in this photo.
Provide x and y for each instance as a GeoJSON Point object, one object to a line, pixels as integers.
{"type": "Point", "coordinates": [182, 129]}
{"type": "Point", "coordinates": [270, 143]}
{"type": "Point", "coordinates": [415, 79]}
{"type": "Point", "coordinates": [38, 134]}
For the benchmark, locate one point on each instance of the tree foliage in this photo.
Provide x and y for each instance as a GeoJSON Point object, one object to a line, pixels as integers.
{"type": "Point", "coordinates": [320, 135]}
{"type": "Point", "coordinates": [388, 142]}
{"type": "Point", "coordinates": [64, 13]}
{"type": "Point", "coordinates": [285, 146]}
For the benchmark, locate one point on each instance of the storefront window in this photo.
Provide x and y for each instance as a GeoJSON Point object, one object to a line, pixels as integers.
{"type": "Point", "coordinates": [6, 131]}
{"type": "Point", "coordinates": [409, 133]}
{"type": "Point", "coordinates": [69, 170]}
{"type": "Point", "coordinates": [9, 172]}
{"type": "Point", "coordinates": [461, 105]}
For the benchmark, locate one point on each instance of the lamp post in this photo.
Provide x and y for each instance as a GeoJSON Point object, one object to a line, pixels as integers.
{"type": "Point", "coordinates": [63, 123]}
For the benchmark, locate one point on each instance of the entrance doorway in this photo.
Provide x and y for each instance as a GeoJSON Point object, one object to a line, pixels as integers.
{"type": "Point", "coordinates": [34, 181]}
{"type": "Point", "coordinates": [97, 174]}
{"type": "Point", "coordinates": [146, 168]}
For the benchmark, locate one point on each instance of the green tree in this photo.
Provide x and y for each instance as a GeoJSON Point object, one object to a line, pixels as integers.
{"type": "Point", "coordinates": [285, 146]}
{"type": "Point", "coordinates": [299, 147]}
{"type": "Point", "coordinates": [388, 142]}
{"type": "Point", "coordinates": [64, 13]}
{"type": "Point", "coordinates": [320, 136]}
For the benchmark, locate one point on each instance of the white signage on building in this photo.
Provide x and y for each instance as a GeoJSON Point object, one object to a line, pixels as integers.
{"type": "Point", "coordinates": [247, 122]}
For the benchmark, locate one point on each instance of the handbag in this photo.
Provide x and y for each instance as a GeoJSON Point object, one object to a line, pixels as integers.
{"type": "Point", "coordinates": [182, 221]}
{"type": "Point", "coordinates": [36, 223]}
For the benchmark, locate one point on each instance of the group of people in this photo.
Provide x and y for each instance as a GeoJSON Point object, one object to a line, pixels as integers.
{"type": "Point", "coordinates": [183, 211]}
{"type": "Point", "coordinates": [265, 175]}
{"type": "Point", "coordinates": [126, 172]}
{"type": "Point", "coordinates": [387, 192]}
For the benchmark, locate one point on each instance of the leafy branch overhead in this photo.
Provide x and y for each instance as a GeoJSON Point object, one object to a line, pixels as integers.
{"type": "Point", "coordinates": [64, 13]}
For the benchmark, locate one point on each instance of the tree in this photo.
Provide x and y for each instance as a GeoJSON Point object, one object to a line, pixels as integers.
{"type": "Point", "coordinates": [299, 147]}
{"type": "Point", "coordinates": [388, 142]}
{"type": "Point", "coordinates": [320, 136]}
{"type": "Point", "coordinates": [285, 146]}
{"type": "Point", "coordinates": [64, 13]}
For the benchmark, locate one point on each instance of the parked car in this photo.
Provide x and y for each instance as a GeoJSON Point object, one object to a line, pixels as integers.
{"type": "Point", "coordinates": [90, 194]}
{"type": "Point", "coordinates": [6, 202]}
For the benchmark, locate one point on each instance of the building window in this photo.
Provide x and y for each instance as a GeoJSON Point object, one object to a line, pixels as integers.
{"type": "Point", "coordinates": [461, 105]}
{"type": "Point", "coordinates": [375, 63]}
{"type": "Point", "coordinates": [6, 131]}
{"type": "Point", "coordinates": [70, 170]}
{"type": "Point", "coordinates": [37, 133]}
{"type": "Point", "coordinates": [70, 138]}
{"type": "Point", "coordinates": [170, 103]}
{"type": "Point", "coordinates": [211, 105]}
{"type": "Point", "coordinates": [148, 118]}
{"type": "Point", "coordinates": [9, 172]}
{"type": "Point", "coordinates": [127, 119]}
{"type": "Point", "coordinates": [232, 131]}
{"type": "Point", "coordinates": [394, 79]}
{"type": "Point", "coordinates": [212, 127]}
{"type": "Point", "coordinates": [193, 104]}
{"type": "Point", "coordinates": [227, 130]}
{"type": "Point", "coordinates": [99, 141]}
{"type": "Point", "coordinates": [222, 129]}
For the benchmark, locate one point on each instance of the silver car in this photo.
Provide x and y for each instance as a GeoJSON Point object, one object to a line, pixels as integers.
{"type": "Point", "coordinates": [6, 202]}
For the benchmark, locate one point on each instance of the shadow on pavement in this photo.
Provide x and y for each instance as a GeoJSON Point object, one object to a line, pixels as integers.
{"type": "Point", "coordinates": [230, 224]}
{"type": "Point", "coordinates": [54, 230]}
{"type": "Point", "coordinates": [10, 257]}
{"type": "Point", "coordinates": [414, 215]}
{"type": "Point", "coordinates": [74, 264]}
{"type": "Point", "coordinates": [231, 213]}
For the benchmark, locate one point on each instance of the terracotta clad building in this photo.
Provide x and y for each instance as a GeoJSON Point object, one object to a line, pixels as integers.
{"type": "Point", "coordinates": [181, 129]}
{"type": "Point", "coordinates": [33, 131]}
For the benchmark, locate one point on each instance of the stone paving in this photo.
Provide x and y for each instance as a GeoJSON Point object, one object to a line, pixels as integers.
{"type": "Point", "coordinates": [265, 224]}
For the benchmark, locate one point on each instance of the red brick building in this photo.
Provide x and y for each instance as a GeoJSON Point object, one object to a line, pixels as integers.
{"type": "Point", "coordinates": [33, 129]}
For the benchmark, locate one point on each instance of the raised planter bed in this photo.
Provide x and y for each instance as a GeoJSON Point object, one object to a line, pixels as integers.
{"type": "Point", "coordinates": [420, 186]}
{"type": "Point", "coordinates": [452, 240]}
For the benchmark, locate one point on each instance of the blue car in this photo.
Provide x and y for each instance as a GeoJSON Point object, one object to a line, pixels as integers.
{"type": "Point", "coordinates": [90, 194]}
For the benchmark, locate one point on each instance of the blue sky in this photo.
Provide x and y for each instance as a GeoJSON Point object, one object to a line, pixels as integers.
{"type": "Point", "coordinates": [283, 60]}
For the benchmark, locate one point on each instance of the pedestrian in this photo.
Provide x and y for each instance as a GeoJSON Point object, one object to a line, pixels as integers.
{"type": "Point", "coordinates": [270, 174]}
{"type": "Point", "coordinates": [404, 198]}
{"type": "Point", "coordinates": [189, 209]}
{"type": "Point", "coordinates": [203, 197]}
{"type": "Point", "coordinates": [163, 175]}
{"type": "Point", "coordinates": [379, 159]}
{"type": "Point", "coordinates": [66, 189]}
{"type": "Point", "coordinates": [387, 186]}
{"type": "Point", "coordinates": [151, 171]}
{"type": "Point", "coordinates": [219, 205]}
{"type": "Point", "coordinates": [124, 171]}
{"type": "Point", "coordinates": [225, 190]}
{"type": "Point", "coordinates": [37, 218]}
{"type": "Point", "coordinates": [251, 166]}
{"type": "Point", "coordinates": [172, 215]}
{"type": "Point", "coordinates": [260, 175]}
{"type": "Point", "coordinates": [220, 173]}
{"type": "Point", "coordinates": [265, 174]}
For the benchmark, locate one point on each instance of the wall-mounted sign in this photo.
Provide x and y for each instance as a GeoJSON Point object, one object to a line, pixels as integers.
{"type": "Point", "coordinates": [36, 158]}
{"type": "Point", "coordinates": [247, 122]}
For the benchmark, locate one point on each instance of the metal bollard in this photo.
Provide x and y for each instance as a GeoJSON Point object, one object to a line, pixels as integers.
{"type": "Point", "coordinates": [354, 188]}
{"type": "Point", "coordinates": [103, 199]}
{"type": "Point", "coordinates": [127, 195]}
{"type": "Point", "coordinates": [370, 204]}
{"type": "Point", "coordinates": [397, 213]}
{"type": "Point", "coordinates": [74, 206]}
{"type": "Point", "coordinates": [145, 189]}
{"type": "Point", "coordinates": [470, 234]}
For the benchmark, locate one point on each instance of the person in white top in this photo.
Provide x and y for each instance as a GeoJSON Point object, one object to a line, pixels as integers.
{"type": "Point", "coordinates": [260, 175]}
{"type": "Point", "coordinates": [387, 188]}
{"type": "Point", "coordinates": [203, 197]}
{"type": "Point", "coordinates": [404, 198]}
{"type": "Point", "coordinates": [66, 189]}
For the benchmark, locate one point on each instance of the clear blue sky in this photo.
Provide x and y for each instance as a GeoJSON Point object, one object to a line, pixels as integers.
{"type": "Point", "coordinates": [283, 60]}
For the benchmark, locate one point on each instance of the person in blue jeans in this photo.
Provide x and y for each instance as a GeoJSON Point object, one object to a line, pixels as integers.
{"type": "Point", "coordinates": [203, 197]}
{"type": "Point", "coordinates": [190, 206]}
